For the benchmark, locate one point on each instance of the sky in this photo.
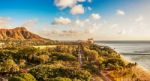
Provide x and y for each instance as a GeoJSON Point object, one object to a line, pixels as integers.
{"type": "Point", "coordinates": [79, 19]}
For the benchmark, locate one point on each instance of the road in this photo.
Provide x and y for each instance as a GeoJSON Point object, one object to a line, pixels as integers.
{"type": "Point", "coordinates": [104, 77]}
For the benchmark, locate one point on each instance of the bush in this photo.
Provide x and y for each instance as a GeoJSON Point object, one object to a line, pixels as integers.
{"type": "Point", "coordinates": [16, 79]}
{"type": "Point", "coordinates": [27, 77]}
{"type": "Point", "coordinates": [23, 77]}
{"type": "Point", "coordinates": [43, 58]}
{"type": "Point", "coordinates": [6, 54]}
{"type": "Point", "coordinates": [66, 49]}
{"type": "Point", "coordinates": [60, 79]}
{"type": "Point", "coordinates": [92, 55]}
{"type": "Point", "coordinates": [92, 68]}
{"type": "Point", "coordinates": [9, 66]}
{"type": "Point", "coordinates": [27, 53]}
{"type": "Point", "coordinates": [64, 57]}
{"type": "Point", "coordinates": [52, 71]}
{"type": "Point", "coordinates": [114, 63]}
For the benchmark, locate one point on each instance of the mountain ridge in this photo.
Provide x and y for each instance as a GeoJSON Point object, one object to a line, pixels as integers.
{"type": "Point", "coordinates": [18, 33]}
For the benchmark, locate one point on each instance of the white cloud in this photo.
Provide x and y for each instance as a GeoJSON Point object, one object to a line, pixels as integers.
{"type": "Point", "coordinates": [65, 3]}
{"type": "Point", "coordinates": [95, 16]}
{"type": "Point", "coordinates": [77, 9]}
{"type": "Point", "coordinates": [62, 21]}
{"type": "Point", "coordinates": [73, 5]}
{"type": "Point", "coordinates": [4, 21]}
{"type": "Point", "coordinates": [120, 13]}
{"type": "Point", "coordinates": [30, 23]}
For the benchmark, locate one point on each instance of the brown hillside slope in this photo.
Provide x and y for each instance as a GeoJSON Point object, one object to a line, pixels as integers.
{"type": "Point", "coordinates": [20, 33]}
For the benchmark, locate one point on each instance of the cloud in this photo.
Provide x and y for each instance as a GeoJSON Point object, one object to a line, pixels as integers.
{"type": "Point", "coordinates": [64, 4]}
{"type": "Point", "coordinates": [77, 9]}
{"type": "Point", "coordinates": [61, 21]}
{"type": "Point", "coordinates": [73, 5]}
{"type": "Point", "coordinates": [75, 29]}
{"type": "Point", "coordinates": [128, 26]}
{"type": "Point", "coordinates": [30, 23]}
{"type": "Point", "coordinates": [51, 32]}
{"type": "Point", "coordinates": [92, 29]}
{"type": "Point", "coordinates": [70, 33]}
{"type": "Point", "coordinates": [139, 19]}
{"type": "Point", "coordinates": [4, 21]}
{"type": "Point", "coordinates": [79, 23]}
{"type": "Point", "coordinates": [95, 16]}
{"type": "Point", "coordinates": [120, 13]}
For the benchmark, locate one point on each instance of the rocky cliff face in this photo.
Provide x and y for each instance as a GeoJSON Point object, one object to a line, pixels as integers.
{"type": "Point", "coordinates": [19, 33]}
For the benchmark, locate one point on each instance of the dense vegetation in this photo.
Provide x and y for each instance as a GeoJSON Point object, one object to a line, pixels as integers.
{"type": "Point", "coordinates": [76, 62]}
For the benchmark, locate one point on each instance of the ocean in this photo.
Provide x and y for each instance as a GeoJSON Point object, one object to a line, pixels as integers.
{"type": "Point", "coordinates": [136, 51]}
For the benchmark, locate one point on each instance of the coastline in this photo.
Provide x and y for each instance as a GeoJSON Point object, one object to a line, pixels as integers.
{"type": "Point", "coordinates": [143, 73]}
{"type": "Point", "coordinates": [128, 60]}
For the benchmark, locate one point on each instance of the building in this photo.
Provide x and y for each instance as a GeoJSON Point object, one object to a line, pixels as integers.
{"type": "Point", "coordinates": [2, 45]}
{"type": "Point", "coordinates": [88, 41]}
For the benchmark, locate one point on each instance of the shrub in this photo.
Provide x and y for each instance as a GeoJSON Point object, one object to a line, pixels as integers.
{"type": "Point", "coordinates": [60, 79]}
{"type": "Point", "coordinates": [16, 79]}
{"type": "Point", "coordinates": [27, 53]}
{"type": "Point", "coordinates": [92, 55]}
{"type": "Point", "coordinates": [92, 68]}
{"type": "Point", "coordinates": [114, 63]}
{"type": "Point", "coordinates": [27, 77]}
{"type": "Point", "coordinates": [52, 71]}
{"type": "Point", "coordinates": [9, 66]}
{"type": "Point", "coordinates": [64, 57]}
{"type": "Point", "coordinates": [6, 54]}
{"type": "Point", "coordinates": [43, 58]}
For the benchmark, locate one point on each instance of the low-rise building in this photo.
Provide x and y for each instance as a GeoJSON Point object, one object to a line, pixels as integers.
{"type": "Point", "coordinates": [88, 41]}
{"type": "Point", "coordinates": [2, 45]}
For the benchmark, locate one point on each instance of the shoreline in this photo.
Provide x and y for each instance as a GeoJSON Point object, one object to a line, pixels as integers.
{"type": "Point", "coordinates": [143, 73]}
{"type": "Point", "coordinates": [128, 60]}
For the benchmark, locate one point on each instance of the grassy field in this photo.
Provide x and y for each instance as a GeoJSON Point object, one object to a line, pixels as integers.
{"type": "Point", "coordinates": [45, 46]}
{"type": "Point", "coordinates": [50, 46]}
